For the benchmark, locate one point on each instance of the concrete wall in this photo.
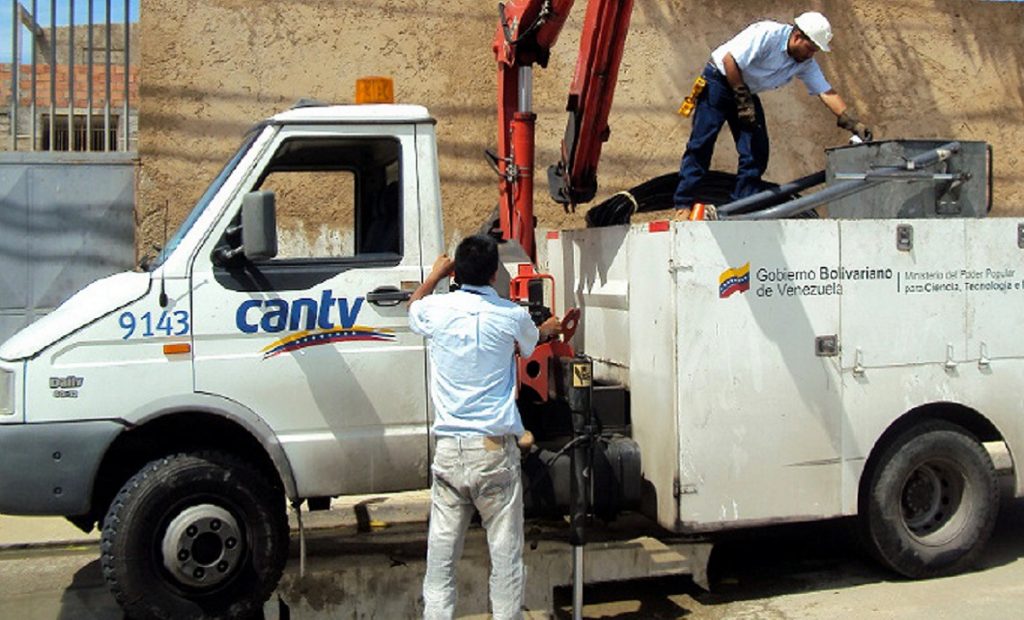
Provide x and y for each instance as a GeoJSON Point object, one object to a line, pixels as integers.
{"type": "Point", "coordinates": [914, 68]}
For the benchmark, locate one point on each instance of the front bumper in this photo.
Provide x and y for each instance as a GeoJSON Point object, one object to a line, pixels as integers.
{"type": "Point", "coordinates": [50, 469]}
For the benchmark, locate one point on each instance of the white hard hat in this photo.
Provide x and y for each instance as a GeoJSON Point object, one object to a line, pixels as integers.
{"type": "Point", "coordinates": [816, 27]}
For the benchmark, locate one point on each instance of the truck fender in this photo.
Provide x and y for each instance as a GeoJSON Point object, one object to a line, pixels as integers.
{"type": "Point", "coordinates": [229, 410]}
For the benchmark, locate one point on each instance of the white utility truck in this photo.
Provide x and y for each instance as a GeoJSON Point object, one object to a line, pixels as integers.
{"type": "Point", "coordinates": [769, 371]}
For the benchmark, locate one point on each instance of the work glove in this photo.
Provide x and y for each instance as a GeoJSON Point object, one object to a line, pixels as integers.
{"type": "Point", "coordinates": [745, 105]}
{"type": "Point", "coordinates": [848, 121]}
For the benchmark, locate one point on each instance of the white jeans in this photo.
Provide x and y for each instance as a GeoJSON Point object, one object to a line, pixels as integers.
{"type": "Point", "coordinates": [482, 474]}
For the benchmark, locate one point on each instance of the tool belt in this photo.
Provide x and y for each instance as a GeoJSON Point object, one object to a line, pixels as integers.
{"type": "Point", "coordinates": [710, 73]}
{"type": "Point", "coordinates": [690, 102]}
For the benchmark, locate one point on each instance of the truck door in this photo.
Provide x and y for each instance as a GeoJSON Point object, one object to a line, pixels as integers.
{"type": "Point", "coordinates": [760, 435]}
{"type": "Point", "coordinates": [316, 340]}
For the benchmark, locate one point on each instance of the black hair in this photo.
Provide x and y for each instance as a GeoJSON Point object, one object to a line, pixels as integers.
{"type": "Point", "coordinates": [476, 260]}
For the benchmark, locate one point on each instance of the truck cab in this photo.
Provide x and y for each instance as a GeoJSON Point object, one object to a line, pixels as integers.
{"type": "Point", "coordinates": [268, 341]}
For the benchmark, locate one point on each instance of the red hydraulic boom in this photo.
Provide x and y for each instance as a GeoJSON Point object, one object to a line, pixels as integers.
{"type": "Point", "coordinates": [527, 30]}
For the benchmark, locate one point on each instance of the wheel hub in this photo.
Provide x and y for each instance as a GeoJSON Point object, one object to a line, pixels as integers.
{"type": "Point", "coordinates": [931, 497]}
{"type": "Point", "coordinates": [202, 546]}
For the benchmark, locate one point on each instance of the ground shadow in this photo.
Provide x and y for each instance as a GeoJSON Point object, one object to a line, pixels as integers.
{"type": "Point", "coordinates": [761, 563]}
{"type": "Point", "coordinates": [87, 597]}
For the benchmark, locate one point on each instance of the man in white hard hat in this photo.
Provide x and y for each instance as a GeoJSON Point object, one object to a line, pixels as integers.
{"type": "Point", "coordinates": [764, 56]}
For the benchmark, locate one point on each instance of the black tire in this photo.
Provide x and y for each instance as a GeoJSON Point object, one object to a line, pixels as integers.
{"type": "Point", "coordinates": [931, 502]}
{"type": "Point", "coordinates": [227, 524]}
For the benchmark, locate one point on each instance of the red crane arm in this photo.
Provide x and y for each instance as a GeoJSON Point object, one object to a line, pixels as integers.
{"type": "Point", "coordinates": [527, 30]}
{"type": "Point", "coordinates": [574, 179]}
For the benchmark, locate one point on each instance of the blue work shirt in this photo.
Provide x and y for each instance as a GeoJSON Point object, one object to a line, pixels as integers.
{"type": "Point", "coordinates": [760, 53]}
{"type": "Point", "coordinates": [471, 335]}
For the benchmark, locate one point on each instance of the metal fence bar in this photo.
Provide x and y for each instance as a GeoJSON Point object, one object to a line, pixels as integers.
{"type": "Point", "coordinates": [106, 105]}
{"type": "Point", "coordinates": [127, 73]}
{"type": "Point", "coordinates": [53, 73]}
{"type": "Point", "coordinates": [88, 94]}
{"type": "Point", "coordinates": [47, 127]}
{"type": "Point", "coordinates": [15, 59]}
{"type": "Point", "coordinates": [71, 75]}
{"type": "Point", "coordinates": [35, 59]}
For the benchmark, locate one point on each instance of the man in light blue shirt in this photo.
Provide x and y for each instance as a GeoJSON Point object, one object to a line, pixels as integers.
{"type": "Point", "coordinates": [765, 56]}
{"type": "Point", "coordinates": [472, 337]}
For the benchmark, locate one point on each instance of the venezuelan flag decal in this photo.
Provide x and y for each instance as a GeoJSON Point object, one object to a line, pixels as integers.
{"type": "Point", "coordinates": [734, 281]}
{"type": "Point", "coordinates": [303, 339]}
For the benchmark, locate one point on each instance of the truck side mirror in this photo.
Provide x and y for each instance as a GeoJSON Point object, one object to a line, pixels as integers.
{"type": "Point", "coordinates": [255, 237]}
{"type": "Point", "coordinates": [259, 226]}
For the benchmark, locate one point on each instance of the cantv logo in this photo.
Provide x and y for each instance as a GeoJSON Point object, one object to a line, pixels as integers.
{"type": "Point", "coordinates": [279, 315]}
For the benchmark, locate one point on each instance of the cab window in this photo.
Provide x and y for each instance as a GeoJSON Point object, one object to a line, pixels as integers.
{"type": "Point", "coordinates": [337, 198]}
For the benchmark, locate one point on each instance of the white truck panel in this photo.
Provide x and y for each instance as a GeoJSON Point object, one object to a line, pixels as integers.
{"type": "Point", "coordinates": [743, 412]}
{"type": "Point", "coordinates": [602, 287]}
{"type": "Point", "coordinates": [430, 234]}
{"type": "Point", "coordinates": [653, 395]}
{"type": "Point", "coordinates": [83, 377]}
{"type": "Point", "coordinates": [909, 306]}
{"type": "Point", "coordinates": [758, 410]}
{"type": "Point", "coordinates": [605, 272]}
{"type": "Point", "coordinates": [994, 282]}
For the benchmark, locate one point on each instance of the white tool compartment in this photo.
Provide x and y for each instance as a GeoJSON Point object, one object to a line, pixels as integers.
{"type": "Point", "coordinates": [765, 359]}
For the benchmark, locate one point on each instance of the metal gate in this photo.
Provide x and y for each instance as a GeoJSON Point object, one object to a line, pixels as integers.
{"type": "Point", "coordinates": [65, 221]}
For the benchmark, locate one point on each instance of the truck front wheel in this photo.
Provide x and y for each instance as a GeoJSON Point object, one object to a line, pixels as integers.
{"type": "Point", "coordinates": [195, 536]}
{"type": "Point", "coordinates": [931, 502]}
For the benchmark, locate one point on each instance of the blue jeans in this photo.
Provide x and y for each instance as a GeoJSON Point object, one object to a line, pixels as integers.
{"type": "Point", "coordinates": [716, 106]}
{"type": "Point", "coordinates": [482, 474]}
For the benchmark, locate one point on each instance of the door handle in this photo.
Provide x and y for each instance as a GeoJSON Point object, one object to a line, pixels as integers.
{"type": "Point", "coordinates": [387, 296]}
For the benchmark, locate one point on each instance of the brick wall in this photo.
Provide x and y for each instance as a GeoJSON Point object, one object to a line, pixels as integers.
{"type": "Point", "coordinates": [63, 74]}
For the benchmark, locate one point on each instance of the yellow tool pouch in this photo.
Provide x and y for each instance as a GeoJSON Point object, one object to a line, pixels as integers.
{"type": "Point", "coordinates": [686, 109]}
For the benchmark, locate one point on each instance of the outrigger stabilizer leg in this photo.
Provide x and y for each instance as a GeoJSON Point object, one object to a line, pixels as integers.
{"type": "Point", "coordinates": [577, 374]}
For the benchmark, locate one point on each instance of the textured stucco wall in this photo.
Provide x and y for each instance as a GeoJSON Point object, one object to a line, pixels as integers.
{"type": "Point", "coordinates": [915, 68]}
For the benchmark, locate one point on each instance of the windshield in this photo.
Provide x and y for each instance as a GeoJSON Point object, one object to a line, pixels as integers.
{"type": "Point", "coordinates": [205, 199]}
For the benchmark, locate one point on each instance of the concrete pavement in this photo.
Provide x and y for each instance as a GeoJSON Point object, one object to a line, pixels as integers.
{"type": "Point", "coordinates": [23, 532]}
{"type": "Point", "coordinates": [364, 557]}
{"type": "Point", "coordinates": [362, 512]}
{"type": "Point", "coordinates": [800, 572]}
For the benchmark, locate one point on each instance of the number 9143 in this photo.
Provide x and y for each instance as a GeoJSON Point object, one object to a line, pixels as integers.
{"type": "Point", "coordinates": [149, 324]}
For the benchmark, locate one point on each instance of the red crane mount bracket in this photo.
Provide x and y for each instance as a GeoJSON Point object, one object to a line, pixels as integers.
{"type": "Point", "coordinates": [537, 372]}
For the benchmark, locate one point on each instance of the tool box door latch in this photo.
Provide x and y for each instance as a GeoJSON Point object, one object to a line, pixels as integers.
{"type": "Point", "coordinates": [826, 346]}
